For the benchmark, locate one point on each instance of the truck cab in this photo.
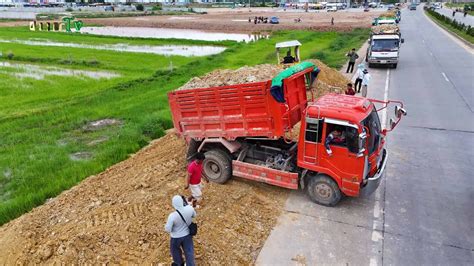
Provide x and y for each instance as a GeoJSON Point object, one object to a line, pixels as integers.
{"type": "Point", "coordinates": [355, 162]}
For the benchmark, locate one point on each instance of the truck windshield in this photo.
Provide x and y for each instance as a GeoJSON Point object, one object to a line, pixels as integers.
{"type": "Point", "coordinates": [387, 45]}
{"type": "Point", "coordinates": [372, 122]}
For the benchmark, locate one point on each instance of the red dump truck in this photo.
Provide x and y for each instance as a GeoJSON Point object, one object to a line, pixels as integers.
{"type": "Point", "coordinates": [243, 131]}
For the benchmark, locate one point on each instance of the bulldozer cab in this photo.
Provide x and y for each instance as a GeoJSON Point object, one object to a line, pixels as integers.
{"type": "Point", "coordinates": [288, 53]}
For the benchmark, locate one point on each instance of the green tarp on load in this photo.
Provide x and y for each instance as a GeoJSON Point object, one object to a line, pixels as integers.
{"type": "Point", "coordinates": [277, 82]}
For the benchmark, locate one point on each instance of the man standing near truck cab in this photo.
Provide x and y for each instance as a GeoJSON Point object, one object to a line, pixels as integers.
{"type": "Point", "coordinates": [193, 181]}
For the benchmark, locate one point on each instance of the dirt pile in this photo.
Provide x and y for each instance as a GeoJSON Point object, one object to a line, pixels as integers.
{"type": "Point", "coordinates": [329, 80]}
{"type": "Point", "coordinates": [385, 28]}
{"type": "Point", "coordinates": [118, 216]}
{"type": "Point", "coordinates": [388, 14]}
{"type": "Point", "coordinates": [224, 77]}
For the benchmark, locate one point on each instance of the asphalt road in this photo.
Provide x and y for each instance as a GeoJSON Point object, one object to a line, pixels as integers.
{"type": "Point", "coordinates": [423, 212]}
{"type": "Point", "coordinates": [459, 16]}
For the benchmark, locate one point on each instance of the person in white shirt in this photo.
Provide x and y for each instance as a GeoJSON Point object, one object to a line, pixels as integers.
{"type": "Point", "coordinates": [359, 77]}
{"type": "Point", "coordinates": [365, 82]}
{"type": "Point", "coordinates": [178, 227]}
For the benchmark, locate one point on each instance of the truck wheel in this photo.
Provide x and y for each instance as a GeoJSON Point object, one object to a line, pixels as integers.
{"type": "Point", "coordinates": [324, 190]}
{"type": "Point", "coordinates": [394, 65]}
{"type": "Point", "coordinates": [217, 166]}
{"type": "Point", "coordinates": [369, 65]}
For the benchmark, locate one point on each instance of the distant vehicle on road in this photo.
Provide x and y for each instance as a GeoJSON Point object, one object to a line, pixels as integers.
{"type": "Point", "coordinates": [274, 20]}
{"type": "Point", "coordinates": [412, 7]}
{"type": "Point", "coordinates": [384, 49]}
{"type": "Point", "coordinates": [331, 8]}
{"type": "Point", "coordinates": [373, 4]}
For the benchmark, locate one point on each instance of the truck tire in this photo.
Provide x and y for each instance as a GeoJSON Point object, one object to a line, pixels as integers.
{"type": "Point", "coordinates": [324, 190]}
{"type": "Point", "coordinates": [395, 65]}
{"type": "Point", "coordinates": [217, 166]}
{"type": "Point", "coordinates": [369, 65]}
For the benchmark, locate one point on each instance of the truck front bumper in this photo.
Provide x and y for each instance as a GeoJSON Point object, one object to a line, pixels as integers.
{"type": "Point", "coordinates": [383, 61]}
{"type": "Point", "coordinates": [374, 181]}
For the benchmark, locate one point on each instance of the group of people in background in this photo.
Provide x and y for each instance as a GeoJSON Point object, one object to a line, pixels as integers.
{"type": "Point", "coordinates": [362, 76]}
{"type": "Point", "coordinates": [179, 221]}
{"type": "Point", "coordinates": [259, 20]}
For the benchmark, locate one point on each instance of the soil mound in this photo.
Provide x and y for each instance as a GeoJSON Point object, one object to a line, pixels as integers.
{"type": "Point", "coordinates": [329, 80]}
{"type": "Point", "coordinates": [118, 216]}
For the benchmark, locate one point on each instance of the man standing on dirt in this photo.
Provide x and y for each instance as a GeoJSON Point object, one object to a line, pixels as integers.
{"type": "Point", "coordinates": [193, 182]}
{"type": "Point", "coordinates": [178, 227]}
{"type": "Point", "coordinates": [352, 59]}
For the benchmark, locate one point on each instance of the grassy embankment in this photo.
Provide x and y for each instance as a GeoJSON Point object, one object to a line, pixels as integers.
{"type": "Point", "coordinates": [448, 26]}
{"type": "Point", "coordinates": [42, 121]}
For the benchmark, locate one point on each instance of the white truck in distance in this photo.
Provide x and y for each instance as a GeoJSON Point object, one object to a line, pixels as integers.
{"type": "Point", "coordinates": [384, 45]}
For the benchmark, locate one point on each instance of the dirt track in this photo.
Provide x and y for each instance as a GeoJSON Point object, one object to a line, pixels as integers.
{"type": "Point", "coordinates": [236, 20]}
{"type": "Point", "coordinates": [118, 215]}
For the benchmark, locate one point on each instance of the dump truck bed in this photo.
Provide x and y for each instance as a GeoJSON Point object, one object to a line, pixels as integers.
{"type": "Point", "coordinates": [243, 110]}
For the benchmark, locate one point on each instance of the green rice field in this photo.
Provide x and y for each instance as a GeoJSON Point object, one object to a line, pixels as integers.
{"type": "Point", "coordinates": [52, 97]}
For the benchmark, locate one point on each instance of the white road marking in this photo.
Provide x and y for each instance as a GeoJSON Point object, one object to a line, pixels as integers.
{"type": "Point", "coordinates": [376, 236]}
{"type": "Point", "coordinates": [376, 210]}
{"type": "Point", "coordinates": [385, 98]}
{"type": "Point", "coordinates": [445, 77]}
{"type": "Point", "coordinates": [373, 262]}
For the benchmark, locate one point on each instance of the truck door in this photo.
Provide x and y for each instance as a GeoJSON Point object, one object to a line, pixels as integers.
{"type": "Point", "coordinates": [313, 134]}
{"type": "Point", "coordinates": [340, 142]}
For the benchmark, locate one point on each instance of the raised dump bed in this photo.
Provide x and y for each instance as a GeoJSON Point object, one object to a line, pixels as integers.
{"type": "Point", "coordinates": [243, 110]}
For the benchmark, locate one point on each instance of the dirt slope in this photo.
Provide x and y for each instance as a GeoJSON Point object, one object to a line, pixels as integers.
{"type": "Point", "coordinates": [118, 216]}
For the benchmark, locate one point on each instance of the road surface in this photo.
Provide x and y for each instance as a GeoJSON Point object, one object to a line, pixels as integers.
{"type": "Point", "coordinates": [422, 213]}
{"type": "Point", "coordinates": [459, 16]}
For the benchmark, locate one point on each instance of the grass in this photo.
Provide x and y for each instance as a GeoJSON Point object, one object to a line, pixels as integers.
{"type": "Point", "coordinates": [449, 27]}
{"type": "Point", "coordinates": [42, 121]}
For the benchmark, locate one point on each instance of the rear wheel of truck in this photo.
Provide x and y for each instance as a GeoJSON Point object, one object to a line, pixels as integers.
{"type": "Point", "coordinates": [217, 166]}
{"type": "Point", "coordinates": [324, 190]}
{"type": "Point", "coordinates": [369, 65]}
{"type": "Point", "coordinates": [394, 65]}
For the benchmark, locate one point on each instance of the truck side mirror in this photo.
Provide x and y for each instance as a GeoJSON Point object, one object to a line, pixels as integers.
{"type": "Point", "coordinates": [403, 40]}
{"type": "Point", "coordinates": [362, 143]}
{"type": "Point", "coordinates": [392, 124]}
{"type": "Point", "coordinates": [400, 111]}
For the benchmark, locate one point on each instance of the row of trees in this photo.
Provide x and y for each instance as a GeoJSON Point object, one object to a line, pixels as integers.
{"type": "Point", "coordinates": [454, 23]}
